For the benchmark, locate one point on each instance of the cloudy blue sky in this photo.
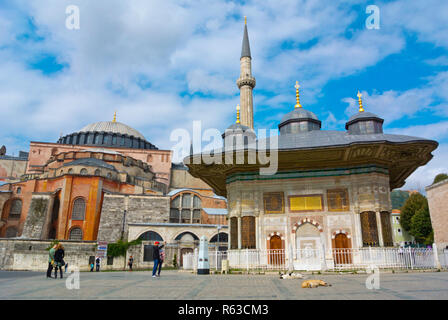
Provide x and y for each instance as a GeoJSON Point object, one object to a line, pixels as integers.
{"type": "Point", "coordinates": [163, 64]}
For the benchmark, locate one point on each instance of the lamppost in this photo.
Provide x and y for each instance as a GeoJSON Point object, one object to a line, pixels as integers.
{"type": "Point", "coordinates": [219, 228]}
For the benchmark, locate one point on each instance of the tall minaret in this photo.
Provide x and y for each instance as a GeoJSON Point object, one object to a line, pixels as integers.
{"type": "Point", "coordinates": [246, 82]}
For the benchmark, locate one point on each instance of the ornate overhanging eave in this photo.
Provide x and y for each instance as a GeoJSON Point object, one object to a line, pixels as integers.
{"type": "Point", "coordinates": [401, 159]}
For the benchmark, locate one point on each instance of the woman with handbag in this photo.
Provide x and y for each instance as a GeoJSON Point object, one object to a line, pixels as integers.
{"type": "Point", "coordinates": [58, 260]}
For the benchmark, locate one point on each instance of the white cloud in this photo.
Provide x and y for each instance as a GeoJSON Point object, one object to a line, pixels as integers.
{"type": "Point", "coordinates": [187, 54]}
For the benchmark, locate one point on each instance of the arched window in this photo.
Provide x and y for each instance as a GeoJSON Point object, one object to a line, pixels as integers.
{"type": "Point", "coordinates": [174, 211]}
{"type": "Point", "coordinates": [11, 232]}
{"type": "Point", "coordinates": [109, 175]}
{"type": "Point", "coordinates": [79, 209]}
{"type": "Point", "coordinates": [150, 236]}
{"type": "Point", "coordinates": [19, 190]}
{"type": "Point", "coordinates": [83, 171]}
{"type": "Point", "coordinates": [187, 237]}
{"type": "Point", "coordinates": [16, 209]}
{"type": "Point", "coordinates": [223, 237]}
{"type": "Point", "coordinates": [75, 234]}
{"type": "Point", "coordinates": [186, 208]}
{"type": "Point", "coordinates": [97, 172]}
{"type": "Point", "coordinates": [70, 170]}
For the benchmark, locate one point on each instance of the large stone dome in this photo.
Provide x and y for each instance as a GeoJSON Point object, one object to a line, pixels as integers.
{"type": "Point", "coordinates": [113, 127]}
{"type": "Point", "coordinates": [108, 134]}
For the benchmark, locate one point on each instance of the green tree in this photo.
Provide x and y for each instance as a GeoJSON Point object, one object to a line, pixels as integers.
{"type": "Point", "coordinates": [421, 227]}
{"type": "Point", "coordinates": [398, 198]}
{"type": "Point", "coordinates": [440, 177]}
{"type": "Point", "coordinates": [120, 248]}
{"type": "Point", "coordinates": [409, 209]}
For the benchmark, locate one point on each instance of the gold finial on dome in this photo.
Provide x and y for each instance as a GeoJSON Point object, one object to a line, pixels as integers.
{"type": "Point", "coordinates": [361, 109]}
{"type": "Point", "coordinates": [115, 117]}
{"type": "Point", "coordinates": [245, 19]}
{"type": "Point", "coordinates": [297, 86]}
{"type": "Point", "coordinates": [237, 113]}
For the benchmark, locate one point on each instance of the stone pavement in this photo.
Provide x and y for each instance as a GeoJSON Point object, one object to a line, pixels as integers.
{"type": "Point", "coordinates": [175, 285]}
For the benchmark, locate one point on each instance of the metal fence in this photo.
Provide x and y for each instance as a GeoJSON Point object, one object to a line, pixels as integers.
{"type": "Point", "coordinates": [316, 259]}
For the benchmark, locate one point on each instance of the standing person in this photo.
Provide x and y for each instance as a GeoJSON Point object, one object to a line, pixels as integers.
{"type": "Point", "coordinates": [162, 258]}
{"type": "Point", "coordinates": [51, 260]}
{"type": "Point", "coordinates": [156, 257]}
{"type": "Point", "coordinates": [91, 267]}
{"type": "Point", "coordinates": [58, 260]}
{"type": "Point", "coordinates": [66, 266]}
{"type": "Point", "coordinates": [130, 262]}
{"type": "Point", "coordinates": [98, 261]}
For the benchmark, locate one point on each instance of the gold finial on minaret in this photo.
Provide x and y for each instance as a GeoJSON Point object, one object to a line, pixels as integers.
{"type": "Point", "coordinates": [237, 113]}
{"type": "Point", "coordinates": [115, 117]}
{"type": "Point", "coordinates": [298, 105]}
{"type": "Point", "coordinates": [361, 109]}
{"type": "Point", "coordinates": [245, 20]}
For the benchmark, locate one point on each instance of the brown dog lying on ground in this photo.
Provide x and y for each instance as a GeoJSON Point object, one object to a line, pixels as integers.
{"type": "Point", "coordinates": [314, 284]}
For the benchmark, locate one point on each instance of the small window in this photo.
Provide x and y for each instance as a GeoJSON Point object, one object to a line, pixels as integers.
{"type": "Point", "coordinates": [97, 172]}
{"type": "Point", "coordinates": [110, 261]}
{"type": "Point", "coordinates": [109, 175]}
{"type": "Point", "coordinates": [83, 171]}
{"type": "Point", "coordinates": [19, 190]}
{"type": "Point", "coordinates": [76, 234]}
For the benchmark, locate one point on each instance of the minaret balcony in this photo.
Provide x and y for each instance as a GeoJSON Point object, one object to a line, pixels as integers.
{"type": "Point", "coordinates": [246, 81]}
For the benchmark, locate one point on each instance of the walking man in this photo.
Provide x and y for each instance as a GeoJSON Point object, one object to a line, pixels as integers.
{"type": "Point", "coordinates": [130, 262]}
{"type": "Point", "coordinates": [97, 264]}
{"type": "Point", "coordinates": [156, 257]}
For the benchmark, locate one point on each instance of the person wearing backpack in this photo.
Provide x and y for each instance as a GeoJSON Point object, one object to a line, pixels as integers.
{"type": "Point", "coordinates": [156, 257]}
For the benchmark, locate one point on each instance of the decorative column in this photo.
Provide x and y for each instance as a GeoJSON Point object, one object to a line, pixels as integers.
{"type": "Point", "coordinates": [379, 227]}
{"type": "Point", "coordinates": [239, 232]}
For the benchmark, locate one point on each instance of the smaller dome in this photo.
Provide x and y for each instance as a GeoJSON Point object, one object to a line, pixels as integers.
{"type": "Point", "coordinates": [298, 113]}
{"type": "Point", "coordinates": [237, 129]}
{"type": "Point", "coordinates": [364, 123]}
{"type": "Point", "coordinates": [362, 115]}
{"type": "Point", "coordinates": [299, 120]}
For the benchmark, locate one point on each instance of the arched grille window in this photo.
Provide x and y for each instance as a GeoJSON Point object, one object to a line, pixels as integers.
{"type": "Point", "coordinates": [150, 236]}
{"type": "Point", "coordinates": [11, 232]}
{"type": "Point", "coordinates": [83, 171]}
{"type": "Point", "coordinates": [79, 209]}
{"type": "Point", "coordinates": [97, 172]}
{"type": "Point", "coordinates": [16, 209]}
{"type": "Point", "coordinates": [75, 234]}
{"type": "Point", "coordinates": [186, 208]}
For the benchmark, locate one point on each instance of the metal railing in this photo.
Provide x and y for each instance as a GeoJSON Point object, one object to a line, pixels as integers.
{"type": "Point", "coordinates": [316, 259]}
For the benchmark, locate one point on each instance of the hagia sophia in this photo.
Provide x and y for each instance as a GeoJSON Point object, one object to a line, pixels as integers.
{"type": "Point", "coordinates": [107, 182]}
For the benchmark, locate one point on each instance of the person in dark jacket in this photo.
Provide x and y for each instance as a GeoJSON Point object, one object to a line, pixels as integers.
{"type": "Point", "coordinates": [58, 260]}
{"type": "Point", "coordinates": [131, 262]}
{"type": "Point", "coordinates": [156, 257]}
{"type": "Point", "coordinates": [98, 261]}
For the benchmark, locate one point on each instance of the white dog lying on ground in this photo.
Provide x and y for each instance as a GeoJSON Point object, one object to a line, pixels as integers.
{"type": "Point", "coordinates": [291, 275]}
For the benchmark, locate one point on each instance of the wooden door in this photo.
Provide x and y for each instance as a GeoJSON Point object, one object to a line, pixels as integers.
{"type": "Point", "coordinates": [342, 254]}
{"type": "Point", "coordinates": [276, 252]}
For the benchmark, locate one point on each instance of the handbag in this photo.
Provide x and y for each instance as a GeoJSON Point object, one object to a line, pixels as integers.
{"type": "Point", "coordinates": [62, 262]}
